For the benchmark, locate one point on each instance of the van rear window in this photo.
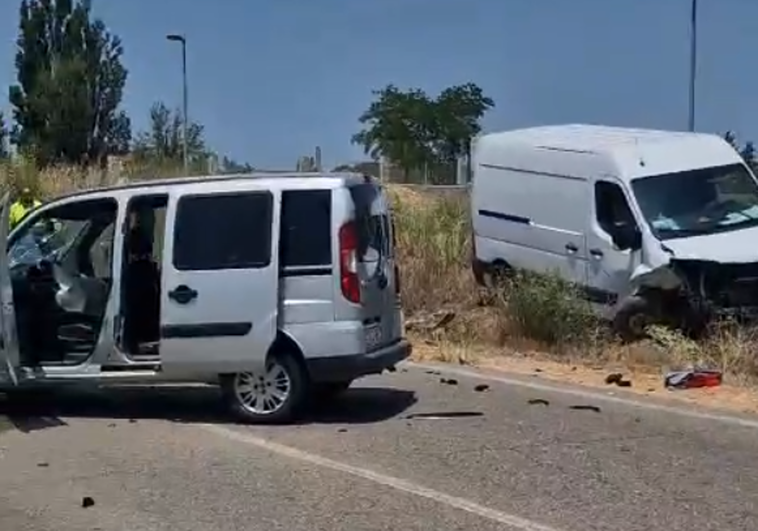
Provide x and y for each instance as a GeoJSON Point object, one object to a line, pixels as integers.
{"type": "Point", "coordinates": [372, 219]}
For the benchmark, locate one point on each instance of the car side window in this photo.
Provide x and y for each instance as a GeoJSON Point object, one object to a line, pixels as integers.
{"type": "Point", "coordinates": [612, 210]}
{"type": "Point", "coordinates": [223, 231]}
{"type": "Point", "coordinates": [306, 228]}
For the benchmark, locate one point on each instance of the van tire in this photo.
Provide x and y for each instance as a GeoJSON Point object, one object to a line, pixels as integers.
{"type": "Point", "coordinates": [284, 370]}
{"type": "Point", "coordinates": [633, 317]}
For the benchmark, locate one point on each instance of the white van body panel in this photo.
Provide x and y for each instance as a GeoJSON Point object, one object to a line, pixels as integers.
{"type": "Point", "coordinates": [533, 203]}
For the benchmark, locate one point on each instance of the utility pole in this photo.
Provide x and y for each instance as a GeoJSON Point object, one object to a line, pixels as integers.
{"type": "Point", "coordinates": [183, 41]}
{"type": "Point", "coordinates": [693, 63]}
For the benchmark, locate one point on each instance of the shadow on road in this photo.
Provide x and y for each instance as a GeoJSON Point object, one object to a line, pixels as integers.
{"type": "Point", "coordinates": [188, 405]}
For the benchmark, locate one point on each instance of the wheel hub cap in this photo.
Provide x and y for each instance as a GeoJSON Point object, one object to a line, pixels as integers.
{"type": "Point", "coordinates": [263, 393]}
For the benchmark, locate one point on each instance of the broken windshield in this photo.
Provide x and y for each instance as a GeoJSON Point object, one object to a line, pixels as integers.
{"type": "Point", "coordinates": [695, 202]}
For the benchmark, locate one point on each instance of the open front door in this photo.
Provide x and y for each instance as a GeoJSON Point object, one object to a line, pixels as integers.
{"type": "Point", "coordinates": [9, 353]}
{"type": "Point", "coordinates": [219, 301]}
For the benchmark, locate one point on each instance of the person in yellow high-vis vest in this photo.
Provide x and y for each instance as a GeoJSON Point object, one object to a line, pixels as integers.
{"type": "Point", "coordinates": [22, 206]}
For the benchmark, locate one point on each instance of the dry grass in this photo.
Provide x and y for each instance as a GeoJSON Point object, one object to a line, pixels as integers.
{"type": "Point", "coordinates": [535, 316]}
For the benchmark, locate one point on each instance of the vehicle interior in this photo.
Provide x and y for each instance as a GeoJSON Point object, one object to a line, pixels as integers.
{"type": "Point", "coordinates": [61, 271]}
{"type": "Point", "coordinates": [141, 277]}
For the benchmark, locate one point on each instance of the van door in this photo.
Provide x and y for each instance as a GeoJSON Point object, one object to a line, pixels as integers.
{"type": "Point", "coordinates": [8, 340]}
{"type": "Point", "coordinates": [219, 304]}
{"type": "Point", "coordinates": [609, 269]}
{"type": "Point", "coordinates": [380, 297]}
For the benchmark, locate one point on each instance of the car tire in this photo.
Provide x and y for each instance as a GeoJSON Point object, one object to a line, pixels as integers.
{"type": "Point", "coordinates": [326, 391]}
{"type": "Point", "coordinates": [272, 397]}
{"type": "Point", "coordinates": [633, 317]}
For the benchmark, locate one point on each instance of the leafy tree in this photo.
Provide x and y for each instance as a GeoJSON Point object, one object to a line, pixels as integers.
{"type": "Point", "coordinates": [747, 152]}
{"type": "Point", "coordinates": [163, 140]}
{"type": "Point", "coordinates": [397, 125]}
{"type": "Point", "coordinates": [414, 130]}
{"type": "Point", "coordinates": [3, 138]}
{"type": "Point", "coordinates": [70, 84]}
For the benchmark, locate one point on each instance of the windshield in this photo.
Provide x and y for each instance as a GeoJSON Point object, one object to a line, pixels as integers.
{"type": "Point", "coordinates": [702, 201]}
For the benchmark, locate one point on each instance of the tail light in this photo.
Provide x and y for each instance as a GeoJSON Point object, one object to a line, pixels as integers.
{"type": "Point", "coordinates": [349, 281]}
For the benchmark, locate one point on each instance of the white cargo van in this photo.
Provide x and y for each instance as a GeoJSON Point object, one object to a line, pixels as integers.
{"type": "Point", "coordinates": [653, 226]}
{"type": "Point", "coordinates": [272, 286]}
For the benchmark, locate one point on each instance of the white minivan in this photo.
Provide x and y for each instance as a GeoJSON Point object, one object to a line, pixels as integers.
{"type": "Point", "coordinates": [652, 226]}
{"type": "Point", "coordinates": [275, 287]}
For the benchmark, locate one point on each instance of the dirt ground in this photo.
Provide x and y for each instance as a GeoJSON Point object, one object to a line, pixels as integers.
{"type": "Point", "coordinates": [645, 381]}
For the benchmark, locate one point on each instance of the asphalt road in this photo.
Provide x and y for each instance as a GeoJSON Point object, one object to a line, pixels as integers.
{"type": "Point", "coordinates": [167, 460]}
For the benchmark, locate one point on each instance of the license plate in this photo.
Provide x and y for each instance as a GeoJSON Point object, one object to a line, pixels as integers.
{"type": "Point", "coordinates": [373, 337]}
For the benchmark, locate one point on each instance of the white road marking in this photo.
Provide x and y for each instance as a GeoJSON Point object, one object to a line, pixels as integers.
{"type": "Point", "coordinates": [403, 485]}
{"type": "Point", "coordinates": [588, 395]}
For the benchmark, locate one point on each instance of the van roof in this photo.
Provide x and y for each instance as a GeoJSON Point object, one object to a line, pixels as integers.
{"type": "Point", "coordinates": [627, 148]}
{"type": "Point", "coordinates": [273, 180]}
{"type": "Point", "coordinates": [588, 138]}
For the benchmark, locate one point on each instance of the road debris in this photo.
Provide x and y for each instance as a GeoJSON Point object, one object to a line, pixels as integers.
{"type": "Point", "coordinates": [87, 502]}
{"type": "Point", "coordinates": [617, 378]}
{"type": "Point", "coordinates": [445, 415]}
{"type": "Point", "coordinates": [540, 401]}
{"type": "Point", "coordinates": [692, 379]}
{"type": "Point", "coordinates": [449, 381]}
{"type": "Point", "coordinates": [481, 388]}
{"type": "Point", "coordinates": [43, 465]}
{"type": "Point", "coordinates": [434, 373]}
{"type": "Point", "coordinates": [585, 407]}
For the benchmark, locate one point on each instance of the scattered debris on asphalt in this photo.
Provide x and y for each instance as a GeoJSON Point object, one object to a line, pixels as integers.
{"type": "Point", "coordinates": [584, 407]}
{"type": "Point", "coordinates": [112, 425]}
{"type": "Point", "coordinates": [132, 421]}
{"type": "Point", "coordinates": [43, 465]}
{"type": "Point", "coordinates": [618, 379]}
{"type": "Point", "coordinates": [435, 373]}
{"type": "Point", "coordinates": [342, 430]}
{"type": "Point", "coordinates": [540, 401]}
{"type": "Point", "coordinates": [537, 369]}
{"type": "Point", "coordinates": [481, 388]}
{"type": "Point", "coordinates": [449, 381]}
{"type": "Point", "coordinates": [445, 415]}
{"type": "Point", "coordinates": [692, 379]}
{"type": "Point", "coordinates": [87, 502]}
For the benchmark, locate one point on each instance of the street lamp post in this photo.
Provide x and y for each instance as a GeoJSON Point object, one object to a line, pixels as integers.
{"type": "Point", "coordinates": [693, 63]}
{"type": "Point", "coordinates": [183, 41]}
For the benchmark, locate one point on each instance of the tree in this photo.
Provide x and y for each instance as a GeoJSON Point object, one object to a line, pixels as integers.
{"type": "Point", "coordinates": [163, 140]}
{"type": "Point", "coordinates": [3, 138]}
{"type": "Point", "coordinates": [747, 152]}
{"type": "Point", "coordinates": [414, 130]}
{"type": "Point", "coordinates": [70, 84]}
{"type": "Point", "coordinates": [397, 125]}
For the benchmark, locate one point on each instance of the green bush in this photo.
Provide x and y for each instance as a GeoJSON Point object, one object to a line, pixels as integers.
{"type": "Point", "coordinates": [548, 309]}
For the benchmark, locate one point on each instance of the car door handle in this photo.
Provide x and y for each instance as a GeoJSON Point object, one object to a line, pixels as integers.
{"type": "Point", "coordinates": [596, 253]}
{"type": "Point", "coordinates": [571, 248]}
{"type": "Point", "coordinates": [182, 294]}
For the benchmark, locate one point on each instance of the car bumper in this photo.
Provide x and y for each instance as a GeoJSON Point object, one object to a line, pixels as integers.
{"type": "Point", "coordinates": [350, 367]}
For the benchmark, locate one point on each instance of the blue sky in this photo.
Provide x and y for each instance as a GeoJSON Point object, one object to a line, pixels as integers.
{"type": "Point", "coordinates": [270, 79]}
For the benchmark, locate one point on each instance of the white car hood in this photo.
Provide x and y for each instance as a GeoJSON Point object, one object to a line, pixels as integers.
{"type": "Point", "coordinates": [737, 246]}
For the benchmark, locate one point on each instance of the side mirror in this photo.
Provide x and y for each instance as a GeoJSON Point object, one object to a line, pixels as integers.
{"type": "Point", "coordinates": [627, 236]}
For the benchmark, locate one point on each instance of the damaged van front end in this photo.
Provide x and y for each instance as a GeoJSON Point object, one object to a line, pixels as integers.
{"type": "Point", "coordinates": [690, 289]}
